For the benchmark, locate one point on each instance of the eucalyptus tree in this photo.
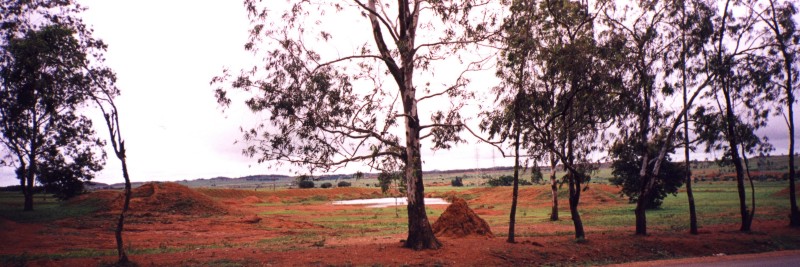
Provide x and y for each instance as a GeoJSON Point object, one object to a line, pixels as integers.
{"type": "Point", "coordinates": [327, 106]}
{"type": "Point", "coordinates": [740, 91]}
{"type": "Point", "coordinates": [689, 18]}
{"type": "Point", "coordinates": [504, 122]}
{"type": "Point", "coordinates": [782, 35]}
{"type": "Point", "coordinates": [650, 31]}
{"type": "Point", "coordinates": [554, 69]}
{"type": "Point", "coordinates": [644, 26]}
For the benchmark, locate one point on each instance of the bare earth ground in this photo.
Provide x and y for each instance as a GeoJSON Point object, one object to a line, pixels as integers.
{"type": "Point", "coordinates": [177, 226]}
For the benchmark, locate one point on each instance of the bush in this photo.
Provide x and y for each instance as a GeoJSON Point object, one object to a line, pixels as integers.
{"type": "Point", "coordinates": [305, 184]}
{"type": "Point", "coordinates": [344, 184]}
{"type": "Point", "coordinates": [626, 166]}
{"type": "Point", "coordinates": [326, 185]}
{"type": "Point", "coordinates": [457, 182]}
{"type": "Point", "coordinates": [506, 180]}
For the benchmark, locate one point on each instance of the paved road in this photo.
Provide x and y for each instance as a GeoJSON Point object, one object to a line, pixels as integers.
{"type": "Point", "coordinates": [787, 258]}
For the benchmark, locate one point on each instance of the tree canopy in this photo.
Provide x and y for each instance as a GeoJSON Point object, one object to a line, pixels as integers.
{"type": "Point", "coordinates": [43, 89]}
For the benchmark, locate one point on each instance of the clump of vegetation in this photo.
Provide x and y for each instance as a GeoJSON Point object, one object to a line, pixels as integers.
{"type": "Point", "coordinates": [344, 184]}
{"type": "Point", "coordinates": [305, 184]}
{"type": "Point", "coordinates": [506, 180]}
{"type": "Point", "coordinates": [326, 185]}
{"type": "Point", "coordinates": [625, 169]}
{"type": "Point", "coordinates": [457, 182]}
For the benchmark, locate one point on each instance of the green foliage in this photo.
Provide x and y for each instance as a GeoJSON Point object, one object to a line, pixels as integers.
{"type": "Point", "coordinates": [344, 184]}
{"type": "Point", "coordinates": [43, 86]}
{"type": "Point", "coordinates": [626, 167]}
{"type": "Point", "coordinates": [506, 180]}
{"type": "Point", "coordinates": [536, 175]}
{"type": "Point", "coordinates": [385, 180]}
{"type": "Point", "coordinates": [457, 182]}
{"type": "Point", "coordinates": [326, 185]}
{"type": "Point", "coordinates": [305, 184]}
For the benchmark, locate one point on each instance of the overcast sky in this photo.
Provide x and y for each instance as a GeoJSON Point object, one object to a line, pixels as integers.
{"type": "Point", "coordinates": [165, 53]}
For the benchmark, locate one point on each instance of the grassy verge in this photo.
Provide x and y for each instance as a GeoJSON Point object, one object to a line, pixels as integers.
{"type": "Point", "coordinates": [46, 208]}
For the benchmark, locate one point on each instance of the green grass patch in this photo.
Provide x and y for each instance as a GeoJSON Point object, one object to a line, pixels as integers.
{"type": "Point", "coordinates": [45, 209]}
{"type": "Point", "coordinates": [716, 203]}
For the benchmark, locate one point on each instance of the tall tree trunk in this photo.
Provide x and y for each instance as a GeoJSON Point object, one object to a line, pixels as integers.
{"type": "Point", "coordinates": [689, 193]}
{"type": "Point", "coordinates": [641, 216]}
{"type": "Point", "coordinates": [27, 194]}
{"type": "Point", "coordinates": [648, 181]}
{"type": "Point", "coordinates": [574, 194]}
{"type": "Point", "coordinates": [574, 199]}
{"type": "Point", "coordinates": [420, 234]}
{"type": "Point", "coordinates": [788, 58]}
{"type": "Point", "coordinates": [686, 149]}
{"type": "Point", "coordinates": [733, 142]}
{"type": "Point", "coordinates": [752, 187]}
{"type": "Point", "coordinates": [122, 256]}
{"type": "Point", "coordinates": [30, 175]}
{"type": "Point", "coordinates": [794, 214]}
{"type": "Point", "coordinates": [515, 190]}
{"type": "Point", "coordinates": [553, 187]}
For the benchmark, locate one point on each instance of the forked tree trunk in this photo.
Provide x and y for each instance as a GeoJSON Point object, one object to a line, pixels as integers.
{"type": "Point", "coordinates": [574, 199]}
{"type": "Point", "coordinates": [733, 142]}
{"type": "Point", "coordinates": [574, 193]}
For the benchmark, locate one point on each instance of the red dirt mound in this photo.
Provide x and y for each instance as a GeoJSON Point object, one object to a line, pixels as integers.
{"type": "Point", "coordinates": [458, 220]}
{"type": "Point", "coordinates": [171, 198]}
{"type": "Point", "coordinates": [156, 198]}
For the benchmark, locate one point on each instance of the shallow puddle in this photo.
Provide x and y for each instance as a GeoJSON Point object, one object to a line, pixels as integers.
{"type": "Point", "coordinates": [387, 202]}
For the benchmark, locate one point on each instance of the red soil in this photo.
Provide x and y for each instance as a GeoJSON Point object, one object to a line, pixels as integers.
{"type": "Point", "coordinates": [283, 232]}
{"type": "Point", "coordinates": [785, 192]}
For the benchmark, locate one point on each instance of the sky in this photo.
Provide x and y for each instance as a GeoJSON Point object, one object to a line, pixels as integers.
{"type": "Point", "coordinates": [165, 53]}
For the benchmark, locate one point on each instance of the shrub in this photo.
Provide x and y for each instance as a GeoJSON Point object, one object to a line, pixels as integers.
{"type": "Point", "coordinates": [344, 184]}
{"type": "Point", "coordinates": [305, 184]}
{"type": "Point", "coordinates": [506, 180]}
{"type": "Point", "coordinates": [457, 182]}
{"type": "Point", "coordinates": [326, 185]}
{"type": "Point", "coordinates": [626, 166]}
